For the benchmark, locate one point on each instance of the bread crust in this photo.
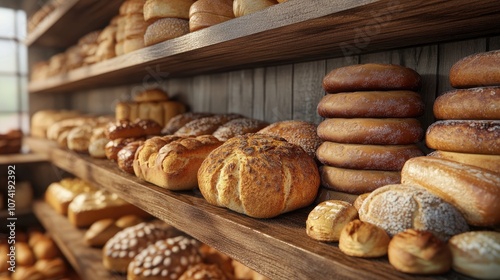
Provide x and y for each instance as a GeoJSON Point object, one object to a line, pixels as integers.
{"type": "Point", "coordinates": [326, 221]}
{"type": "Point", "coordinates": [361, 239]}
{"type": "Point", "coordinates": [157, 9]}
{"type": "Point", "coordinates": [165, 29]}
{"type": "Point", "coordinates": [205, 13]}
{"type": "Point", "coordinates": [480, 69]}
{"type": "Point", "coordinates": [481, 103]}
{"type": "Point", "coordinates": [490, 162]}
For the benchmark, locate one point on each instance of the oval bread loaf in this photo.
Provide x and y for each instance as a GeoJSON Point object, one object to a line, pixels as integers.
{"type": "Point", "coordinates": [481, 103]}
{"type": "Point", "coordinates": [480, 69]}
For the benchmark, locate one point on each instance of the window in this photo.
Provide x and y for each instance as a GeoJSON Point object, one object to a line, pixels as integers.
{"type": "Point", "coordinates": [13, 71]}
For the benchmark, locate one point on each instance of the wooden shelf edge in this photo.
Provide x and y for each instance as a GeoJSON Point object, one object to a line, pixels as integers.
{"type": "Point", "coordinates": [86, 261]}
{"type": "Point", "coordinates": [22, 158]}
{"type": "Point", "coordinates": [259, 243]}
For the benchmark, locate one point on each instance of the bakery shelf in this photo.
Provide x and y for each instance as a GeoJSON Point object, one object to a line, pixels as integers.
{"type": "Point", "coordinates": [278, 247]}
{"type": "Point", "coordinates": [291, 31]}
{"type": "Point", "coordinates": [4, 214]}
{"type": "Point", "coordinates": [22, 158]}
{"type": "Point", "coordinates": [59, 30]}
{"type": "Point", "coordinates": [86, 261]}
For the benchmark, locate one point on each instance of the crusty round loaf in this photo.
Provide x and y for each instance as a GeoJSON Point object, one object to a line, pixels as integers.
{"type": "Point", "coordinates": [205, 13]}
{"type": "Point", "coordinates": [239, 126]}
{"type": "Point", "coordinates": [490, 162]}
{"type": "Point", "coordinates": [480, 103]}
{"type": "Point", "coordinates": [465, 136]}
{"type": "Point", "coordinates": [206, 125]}
{"type": "Point", "coordinates": [475, 192]}
{"type": "Point", "coordinates": [476, 254]}
{"type": "Point", "coordinates": [361, 156]}
{"type": "Point", "coordinates": [182, 119]}
{"type": "Point", "coordinates": [480, 69]}
{"type": "Point", "coordinates": [367, 77]}
{"type": "Point", "coordinates": [361, 239]}
{"type": "Point", "coordinates": [419, 252]}
{"type": "Point", "coordinates": [165, 29]}
{"type": "Point", "coordinates": [157, 9]}
{"type": "Point", "coordinates": [326, 221]}
{"type": "Point", "coordinates": [259, 175]}
{"type": "Point", "coordinates": [356, 181]}
{"type": "Point", "coordinates": [398, 207]}
{"type": "Point", "coordinates": [389, 131]}
{"type": "Point", "coordinates": [146, 154]}
{"type": "Point", "coordinates": [297, 132]}
{"type": "Point", "coordinates": [372, 104]}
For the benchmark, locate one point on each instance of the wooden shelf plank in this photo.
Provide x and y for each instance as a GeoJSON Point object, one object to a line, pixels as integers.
{"type": "Point", "coordinates": [278, 248]}
{"type": "Point", "coordinates": [22, 158]}
{"type": "Point", "coordinates": [58, 29]}
{"type": "Point", "coordinates": [86, 261]}
{"type": "Point", "coordinates": [292, 31]}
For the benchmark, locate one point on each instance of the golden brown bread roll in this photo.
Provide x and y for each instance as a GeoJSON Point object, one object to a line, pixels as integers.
{"type": "Point", "coordinates": [372, 76]}
{"type": "Point", "coordinates": [203, 271]}
{"type": "Point", "coordinates": [42, 120]}
{"type": "Point", "coordinates": [128, 129]}
{"type": "Point", "coordinates": [24, 254]}
{"type": "Point", "coordinates": [211, 256]}
{"type": "Point", "coordinates": [132, 7]}
{"type": "Point", "coordinates": [245, 7]}
{"type": "Point", "coordinates": [326, 221]}
{"type": "Point", "coordinates": [362, 156]}
{"type": "Point", "coordinates": [384, 131]}
{"type": "Point", "coordinates": [128, 221]}
{"type": "Point", "coordinates": [396, 208]}
{"type": "Point", "coordinates": [361, 239]}
{"type": "Point", "coordinates": [480, 69]}
{"type": "Point", "coordinates": [60, 194]}
{"type": "Point", "coordinates": [113, 147]}
{"type": "Point", "coordinates": [465, 136]}
{"type": "Point", "coordinates": [419, 252]}
{"type": "Point", "coordinates": [239, 126]}
{"type": "Point", "coordinates": [27, 273]}
{"type": "Point", "coordinates": [79, 138]}
{"type": "Point", "coordinates": [45, 249]}
{"type": "Point", "coordinates": [468, 104]}
{"type": "Point", "coordinates": [372, 104]}
{"type": "Point", "coordinates": [247, 174]}
{"type": "Point", "coordinates": [490, 162]}
{"type": "Point", "coordinates": [125, 157]}
{"type": "Point", "coordinates": [132, 44]}
{"type": "Point", "coordinates": [205, 13]}
{"type": "Point", "coordinates": [297, 132]}
{"type": "Point", "coordinates": [100, 232]}
{"type": "Point", "coordinates": [165, 29]}
{"type": "Point", "coordinates": [51, 268]}
{"type": "Point", "coordinates": [157, 9]}
{"type": "Point", "coordinates": [475, 192]}
{"type": "Point", "coordinates": [359, 200]}
{"type": "Point", "coordinates": [476, 254]}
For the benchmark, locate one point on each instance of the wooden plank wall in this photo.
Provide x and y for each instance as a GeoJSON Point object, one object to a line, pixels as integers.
{"type": "Point", "coordinates": [288, 91]}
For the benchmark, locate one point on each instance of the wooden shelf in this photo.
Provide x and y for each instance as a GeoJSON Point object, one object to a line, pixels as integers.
{"type": "Point", "coordinates": [292, 31]}
{"type": "Point", "coordinates": [58, 29]}
{"type": "Point", "coordinates": [22, 158]}
{"type": "Point", "coordinates": [278, 248]}
{"type": "Point", "coordinates": [86, 261]}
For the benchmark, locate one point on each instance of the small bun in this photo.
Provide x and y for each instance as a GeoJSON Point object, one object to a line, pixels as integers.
{"type": "Point", "coordinates": [326, 221]}
{"type": "Point", "coordinates": [419, 252]}
{"type": "Point", "coordinates": [361, 239]}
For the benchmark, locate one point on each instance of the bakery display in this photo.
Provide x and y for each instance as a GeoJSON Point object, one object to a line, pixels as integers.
{"type": "Point", "coordinates": [479, 69]}
{"type": "Point", "coordinates": [43, 119]}
{"type": "Point", "coordinates": [476, 254]}
{"type": "Point", "coordinates": [396, 208]}
{"type": "Point", "coordinates": [326, 221]}
{"type": "Point", "coordinates": [131, 27]}
{"type": "Point", "coordinates": [419, 252]}
{"type": "Point", "coordinates": [361, 239]}
{"type": "Point", "coordinates": [473, 191]}
{"type": "Point", "coordinates": [247, 174]}
{"type": "Point", "coordinates": [60, 194]}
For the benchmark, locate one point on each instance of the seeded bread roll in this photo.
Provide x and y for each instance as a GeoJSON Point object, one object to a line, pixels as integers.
{"type": "Point", "coordinates": [361, 239]}
{"type": "Point", "coordinates": [165, 29]}
{"type": "Point", "coordinates": [370, 77]}
{"type": "Point", "coordinates": [297, 132]}
{"type": "Point", "coordinates": [121, 249]}
{"type": "Point", "coordinates": [327, 219]}
{"type": "Point", "coordinates": [396, 208]}
{"type": "Point", "coordinates": [419, 252]}
{"type": "Point", "coordinates": [475, 192]}
{"type": "Point", "coordinates": [361, 156]}
{"type": "Point", "coordinates": [468, 104]}
{"type": "Point", "coordinates": [390, 131]}
{"type": "Point", "coordinates": [165, 259]}
{"type": "Point", "coordinates": [205, 126]}
{"type": "Point", "coordinates": [476, 254]}
{"type": "Point", "coordinates": [480, 69]}
{"type": "Point", "coordinates": [259, 175]}
{"type": "Point", "coordinates": [372, 104]}
{"type": "Point", "coordinates": [465, 136]}
{"type": "Point", "coordinates": [239, 126]}
{"type": "Point", "coordinates": [490, 162]}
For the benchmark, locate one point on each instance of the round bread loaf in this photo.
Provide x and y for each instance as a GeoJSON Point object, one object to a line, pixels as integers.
{"type": "Point", "coordinates": [490, 162]}
{"type": "Point", "coordinates": [481, 103]}
{"type": "Point", "coordinates": [151, 95]}
{"type": "Point", "coordinates": [396, 208]}
{"type": "Point", "coordinates": [245, 7]}
{"type": "Point", "coordinates": [480, 69]}
{"type": "Point", "coordinates": [24, 254]}
{"type": "Point", "coordinates": [297, 132]}
{"type": "Point", "coordinates": [327, 219]}
{"type": "Point", "coordinates": [368, 77]}
{"type": "Point", "coordinates": [419, 252]}
{"type": "Point", "coordinates": [360, 156]}
{"type": "Point", "coordinates": [389, 131]}
{"type": "Point", "coordinates": [157, 9]}
{"type": "Point", "coordinates": [97, 143]}
{"type": "Point", "coordinates": [476, 254]}
{"type": "Point", "coordinates": [165, 29]}
{"type": "Point", "coordinates": [205, 126]}
{"type": "Point", "coordinates": [356, 181]}
{"type": "Point", "coordinates": [259, 175]}
{"type": "Point", "coordinates": [182, 119]}
{"type": "Point", "coordinates": [239, 126]}
{"type": "Point", "coordinates": [165, 259]}
{"type": "Point", "coordinates": [475, 192]}
{"type": "Point", "coordinates": [465, 136]}
{"type": "Point", "coordinates": [372, 104]}
{"type": "Point", "coordinates": [361, 239]}
{"type": "Point", "coordinates": [205, 13]}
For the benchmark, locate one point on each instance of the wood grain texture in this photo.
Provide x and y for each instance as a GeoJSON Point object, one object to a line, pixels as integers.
{"type": "Point", "coordinates": [86, 261]}
{"type": "Point", "coordinates": [278, 93]}
{"type": "Point", "coordinates": [308, 90]}
{"type": "Point", "coordinates": [240, 97]}
{"type": "Point", "coordinates": [219, 93]}
{"type": "Point", "coordinates": [494, 43]}
{"type": "Point", "coordinates": [258, 93]}
{"type": "Point", "coordinates": [22, 158]}
{"type": "Point", "coordinates": [299, 31]}
{"type": "Point", "coordinates": [201, 89]}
